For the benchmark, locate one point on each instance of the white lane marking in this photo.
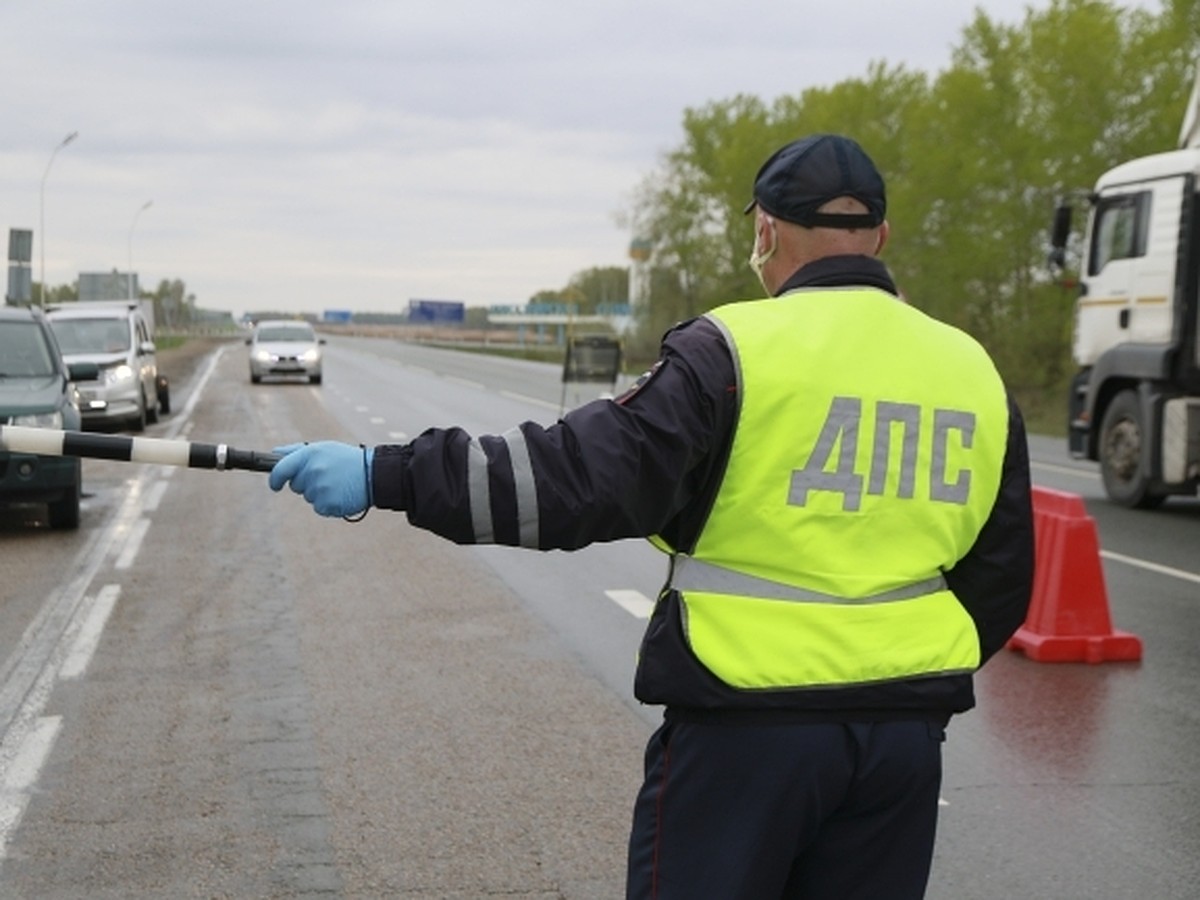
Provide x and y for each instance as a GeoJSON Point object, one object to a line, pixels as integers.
{"type": "Point", "coordinates": [465, 382]}
{"type": "Point", "coordinates": [377, 420]}
{"type": "Point", "coordinates": [24, 678]}
{"type": "Point", "coordinates": [534, 400]}
{"type": "Point", "coordinates": [183, 420]}
{"type": "Point", "coordinates": [361, 409]}
{"type": "Point", "coordinates": [88, 637]}
{"type": "Point", "coordinates": [1151, 567]}
{"type": "Point", "coordinates": [399, 436]}
{"type": "Point", "coordinates": [633, 602]}
{"type": "Point", "coordinates": [22, 774]}
{"type": "Point", "coordinates": [1065, 470]}
{"type": "Point", "coordinates": [28, 675]}
{"type": "Point", "coordinates": [133, 543]}
{"type": "Point", "coordinates": [154, 496]}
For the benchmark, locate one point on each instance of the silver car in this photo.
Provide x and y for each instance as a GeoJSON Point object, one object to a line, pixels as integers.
{"type": "Point", "coordinates": [285, 347]}
{"type": "Point", "coordinates": [129, 390]}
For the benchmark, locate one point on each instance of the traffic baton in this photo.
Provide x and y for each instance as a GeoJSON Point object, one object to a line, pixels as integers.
{"type": "Point", "coordinates": [159, 451]}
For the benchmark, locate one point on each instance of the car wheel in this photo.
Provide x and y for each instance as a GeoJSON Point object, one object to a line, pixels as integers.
{"type": "Point", "coordinates": [1122, 444]}
{"type": "Point", "coordinates": [164, 395]}
{"type": "Point", "coordinates": [138, 422]}
{"type": "Point", "coordinates": [65, 513]}
{"type": "Point", "coordinates": [256, 379]}
{"type": "Point", "coordinates": [314, 379]}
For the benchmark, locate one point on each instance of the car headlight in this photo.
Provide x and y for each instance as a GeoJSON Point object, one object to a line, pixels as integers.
{"type": "Point", "coordinates": [311, 355]}
{"type": "Point", "coordinates": [262, 356]}
{"type": "Point", "coordinates": [118, 374]}
{"type": "Point", "coordinates": [40, 420]}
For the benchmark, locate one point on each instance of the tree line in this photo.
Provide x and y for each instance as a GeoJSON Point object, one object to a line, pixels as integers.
{"type": "Point", "coordinates": [173, 305]}
{"type": "Point", "coordinates": [975, 158]}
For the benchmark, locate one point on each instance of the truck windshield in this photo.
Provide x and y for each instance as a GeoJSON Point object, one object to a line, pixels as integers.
{"type": "Point", "coordinates": [24, 351]}
{"type": "Point", "coordinates": [91, 335]}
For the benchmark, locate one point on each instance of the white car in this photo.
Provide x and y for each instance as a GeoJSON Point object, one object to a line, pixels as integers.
{"type": "Point", "coordinates": [285, 347]}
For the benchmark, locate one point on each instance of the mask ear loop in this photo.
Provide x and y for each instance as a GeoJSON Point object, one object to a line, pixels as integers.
{"type": "Point", "coordinates": [758, 260]}
{"type": "Point", "coordinates": [770, 223]}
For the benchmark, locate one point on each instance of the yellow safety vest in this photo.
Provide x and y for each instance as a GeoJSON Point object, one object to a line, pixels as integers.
{"type": "Point", "coordinates": [867, 456]}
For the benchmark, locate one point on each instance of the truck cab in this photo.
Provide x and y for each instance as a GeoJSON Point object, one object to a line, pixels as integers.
{"type": "Point", "coordinates": [1135, 401]}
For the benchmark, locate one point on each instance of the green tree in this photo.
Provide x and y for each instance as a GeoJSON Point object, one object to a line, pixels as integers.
{"type": "Point", "coordinates": [173, 305]}
{"type": "Point", "coordinates": [975, 160]}
{"type": "Point", "coordinates": [1026, 115]}
{"type": "Point", "coordinates": [60, 293]}
{"type": "Point", "coordinates": [601, 285]}
{"type": "Point", "coordinates": [690, 208]}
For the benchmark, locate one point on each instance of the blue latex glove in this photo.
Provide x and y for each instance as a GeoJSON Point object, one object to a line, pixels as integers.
{"type": "Point", "coordinates": [333, 477]}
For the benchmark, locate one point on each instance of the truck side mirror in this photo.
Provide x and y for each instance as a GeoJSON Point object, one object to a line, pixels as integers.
{"type": "Point", "coordinates": [1059, 235]}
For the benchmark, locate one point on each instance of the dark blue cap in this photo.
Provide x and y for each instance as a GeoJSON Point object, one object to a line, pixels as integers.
{"type": "Point", "coordinates": [804, 175]}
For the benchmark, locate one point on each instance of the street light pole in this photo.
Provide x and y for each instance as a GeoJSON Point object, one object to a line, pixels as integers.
{"type": "Point", "coordinates": [42, 211]}
{"type": "Point", "coordinates": [129, 274]}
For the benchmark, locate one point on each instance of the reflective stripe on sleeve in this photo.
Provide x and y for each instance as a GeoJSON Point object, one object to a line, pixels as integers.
{"type": "Point", "coordinates": [479, 491]}
{"type": "Point", "coordinates": [523, 486]}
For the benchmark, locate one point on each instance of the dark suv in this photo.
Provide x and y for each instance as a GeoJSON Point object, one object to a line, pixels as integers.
{"type": "Point", "coordinates": [36, 390]}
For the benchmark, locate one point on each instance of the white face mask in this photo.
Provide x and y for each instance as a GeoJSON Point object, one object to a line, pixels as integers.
{"type": "Point", "coordinates": [757, 259]}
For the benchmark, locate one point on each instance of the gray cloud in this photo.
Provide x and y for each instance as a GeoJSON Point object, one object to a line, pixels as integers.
{"type": "Point", "coordinates": [359, 153]}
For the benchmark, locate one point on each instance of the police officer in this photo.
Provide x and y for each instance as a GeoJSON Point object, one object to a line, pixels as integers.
{"type": "Point", "coordinates": [841, 483]}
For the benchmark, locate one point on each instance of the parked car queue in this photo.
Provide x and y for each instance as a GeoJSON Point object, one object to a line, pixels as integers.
{"type": "Point", "coordinates": [37, 389]}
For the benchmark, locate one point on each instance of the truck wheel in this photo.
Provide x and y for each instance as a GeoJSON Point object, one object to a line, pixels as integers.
{"type": "Point", "coordinates": [1122, 444]}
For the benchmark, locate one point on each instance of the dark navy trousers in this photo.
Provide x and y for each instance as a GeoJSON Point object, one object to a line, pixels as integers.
{"type": "Point", "coordinates": [775, 811]}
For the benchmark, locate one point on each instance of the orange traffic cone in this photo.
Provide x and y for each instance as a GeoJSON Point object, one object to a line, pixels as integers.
{"type": "Point", "coordinates": [1068, 618]}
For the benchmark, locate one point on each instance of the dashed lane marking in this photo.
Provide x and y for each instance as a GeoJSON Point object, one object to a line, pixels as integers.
{"type": "Point", "coordinates": [154, 496]}
{"type": "Point", "coordinates": [633, 602]}
{"type": "Point", "coordinates": [1151, 567]}
{"type": "Point", "coordinates": [21, 775]}
{"type": "Point", "coordinates": [1065, 470]}
{"type": "Point", "coordinates": [90, 631]}
{"type": "Point", "coordinates": [534, 400]}
{"type": "Point", "coordinates": [133, 543]}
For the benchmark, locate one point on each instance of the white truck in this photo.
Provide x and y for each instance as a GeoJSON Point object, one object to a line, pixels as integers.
{"type": "Point", "coordinates": [1134, 404]}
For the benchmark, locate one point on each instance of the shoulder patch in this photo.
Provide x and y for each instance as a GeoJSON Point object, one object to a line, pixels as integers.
{"type": "Point", "coordinates": [644, 379]}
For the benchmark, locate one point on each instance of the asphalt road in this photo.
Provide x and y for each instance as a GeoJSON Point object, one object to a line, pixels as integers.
{"type": "Point", "coordinates": [210, 692]}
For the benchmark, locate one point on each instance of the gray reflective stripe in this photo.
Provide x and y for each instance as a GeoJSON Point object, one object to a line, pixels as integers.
{"type": "Point", "coordinates": [524, 486]}
{"type": "Point", "coordinates": [692, 574]}
{"type": "Point", "coordinates": [479, 492]}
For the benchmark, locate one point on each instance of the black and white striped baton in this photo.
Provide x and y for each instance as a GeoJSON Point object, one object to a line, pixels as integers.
{"type": "Point", "coordinates": [88, 445]}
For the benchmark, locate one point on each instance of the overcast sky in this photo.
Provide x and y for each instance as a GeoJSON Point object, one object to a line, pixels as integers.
{"type": "Point", "coordinates": [304, 155]}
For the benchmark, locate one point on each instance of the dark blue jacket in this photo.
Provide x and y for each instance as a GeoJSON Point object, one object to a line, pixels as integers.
{"type": "Point", "coordinates": [651, 463]}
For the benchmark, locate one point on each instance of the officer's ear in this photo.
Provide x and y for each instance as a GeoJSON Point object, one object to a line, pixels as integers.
{"type": "Point", "coordinates": [884, 231]}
